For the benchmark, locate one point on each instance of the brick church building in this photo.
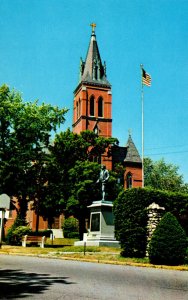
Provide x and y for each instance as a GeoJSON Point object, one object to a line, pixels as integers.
{"type": "Point", "coordinates": [92, 110]}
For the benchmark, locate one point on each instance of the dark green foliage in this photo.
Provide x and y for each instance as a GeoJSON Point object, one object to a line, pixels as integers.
{"type": "Point", "coordinates": [186, 257]}
{"type": "Point", "coordinates": [11, 237]}
{"type": "Point", "coordinates": [61, 178]}
{"type": "Point", "coordinates": [72, 175]}
{"type": "Point", "coordinates": [19, 229]}
{"type": "Point", "coordinates": [131, 221]}
{"type": "Point", "coordinates": [131, 216]}
{"type": "Point", "coordinates": [14, 236]}
{"type": "Point", "coordinates": [85, 189]}
{"type": "Point", "coordinates": [70, 228]}
{"type": "Point", "coordinates": [25, 131]}
{"type": "Point", "coordinates": [168, 243]}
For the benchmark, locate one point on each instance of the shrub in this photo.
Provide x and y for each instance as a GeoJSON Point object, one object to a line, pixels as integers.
{"type": "Point", "coordinates": [168, 244]}
{"type": "Point", "coordinates": [130, 216]}
{"type": "Point", "coordinates": [14, 236]}
{"type": "Point", "coordinates": [131, 222]}
{"type": "Point", "coordinates": [70, 228]}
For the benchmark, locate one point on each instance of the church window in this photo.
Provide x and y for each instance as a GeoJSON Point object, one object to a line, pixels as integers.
{"type": "Point", "coordinates": [129, 180]}
{"type": "Point", "coordinates": [79, 108]}
{"type": "Point", "coordinates": [92, 106]}
{"type": "Point", "coordinates": [96, 159]}
{"type": "Point", "coordinates": [100, 107]}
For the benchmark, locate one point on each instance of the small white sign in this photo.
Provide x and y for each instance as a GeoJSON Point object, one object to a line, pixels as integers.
{"type": "Point", "coordinates": [4, 201]}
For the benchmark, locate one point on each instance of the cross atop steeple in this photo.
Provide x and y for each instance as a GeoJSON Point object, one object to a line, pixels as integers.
{"type": "Point", "coordinates": [93, 25]}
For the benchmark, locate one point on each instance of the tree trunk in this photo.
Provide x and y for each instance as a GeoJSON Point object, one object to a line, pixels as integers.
{"type": "Point", "coordinates": [22, 210]}
{"type": "Point", "coordinates": [81, 227]}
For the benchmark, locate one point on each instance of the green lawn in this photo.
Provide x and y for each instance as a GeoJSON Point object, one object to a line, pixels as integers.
{"type": "Point", "coordinates": [65, 249]}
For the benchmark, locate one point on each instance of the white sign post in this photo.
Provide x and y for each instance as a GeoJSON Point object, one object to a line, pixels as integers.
{"type": "Point", "coordinates": [4, 204]}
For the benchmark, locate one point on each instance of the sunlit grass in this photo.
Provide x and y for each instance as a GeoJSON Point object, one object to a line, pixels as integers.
{"type": "Point", "coordinates": [60, 241]}
{"type": "Point", "coordinates": [65, 249]}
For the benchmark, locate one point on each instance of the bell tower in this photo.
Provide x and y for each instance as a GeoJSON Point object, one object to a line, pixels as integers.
{"type": "Point", "coordinates": [93, 96]}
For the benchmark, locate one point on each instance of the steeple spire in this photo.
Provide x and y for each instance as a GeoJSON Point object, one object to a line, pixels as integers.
{"type": "Point", "coordinates": [92, 70]}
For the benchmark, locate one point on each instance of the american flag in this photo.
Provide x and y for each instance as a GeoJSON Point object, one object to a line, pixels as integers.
{"type": "Point", "coordinates": [146, 78]}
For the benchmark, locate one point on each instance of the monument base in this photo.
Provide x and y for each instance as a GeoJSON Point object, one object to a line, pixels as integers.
{"type": "Point", "coordinates": [98, 243]}
{"type": "Point", "coordinates": [101, 231]}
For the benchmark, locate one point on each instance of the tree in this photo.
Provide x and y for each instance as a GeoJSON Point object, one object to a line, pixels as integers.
{"type": "Point", "coordinates": [168, 243]}
{"type": "Point", "coordinates": [70, 228]}
{"type": "Point", "coordinates": [72, 173]}
{"type": "Point", "coordinates": [84, 190]}
{"type": "Point", "coordinates": [163, 176]}
{"type": "Point", "coordinates": [25, 130]}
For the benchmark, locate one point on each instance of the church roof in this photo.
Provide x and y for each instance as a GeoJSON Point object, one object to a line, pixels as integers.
{"type": "Point", "coordinates": [92, 70]}
{"type": "Point", "coordinates": [127, 154]}
{"type": "Point", "coordinates": [132, 154]}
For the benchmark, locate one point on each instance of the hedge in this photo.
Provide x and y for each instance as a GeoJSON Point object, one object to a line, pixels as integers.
{"type": "Point", "coordinates": [130, 213]}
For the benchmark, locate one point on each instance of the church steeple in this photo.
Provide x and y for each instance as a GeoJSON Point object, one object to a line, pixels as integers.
{"type": "Point", "coordinates": [93, 111]}
{"type": "Point", "coordinates": [93, 96]}
{"type": "Point", "coordinates": [92, 70]}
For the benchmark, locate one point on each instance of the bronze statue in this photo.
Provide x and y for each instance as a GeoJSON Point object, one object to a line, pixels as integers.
{"type": "Point", "coordinates": [103, 178]}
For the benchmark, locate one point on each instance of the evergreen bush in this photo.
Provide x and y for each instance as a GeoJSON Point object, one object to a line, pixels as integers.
{"type": "Point", "coordinates": [70, 228]}
{"type": "Point", "coordinates": [130, 216]}
{"type": "Point", "coordinates": [15, 232]}
{"type": "Point", "coordinates": [168, 243]}
{"type": "Point", "coordinates": [14, 236]}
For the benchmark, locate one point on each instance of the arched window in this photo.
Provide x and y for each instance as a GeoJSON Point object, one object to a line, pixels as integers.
{"type": "Point", "coordinates": [79, 108]}
{"type": "Point", "coordinates": [92, 106]}
{"type": "Point", "coordinates": [129, 180]}
{"type": "Point", "coordinates": [76, 110]}
{"type": "Point", "coordinates": [100, 107]}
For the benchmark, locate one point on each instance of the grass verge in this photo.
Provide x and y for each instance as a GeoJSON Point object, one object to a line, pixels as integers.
{"type": "Point", "coordinates": [92, 254]}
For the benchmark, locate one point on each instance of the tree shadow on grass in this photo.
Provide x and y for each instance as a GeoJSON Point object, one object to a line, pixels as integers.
{"type": "Point", "coordinates": [19, 284]}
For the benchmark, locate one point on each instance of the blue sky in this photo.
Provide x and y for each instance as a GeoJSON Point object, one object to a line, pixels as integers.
{"type": "Point", "coordinates": [42, 42]}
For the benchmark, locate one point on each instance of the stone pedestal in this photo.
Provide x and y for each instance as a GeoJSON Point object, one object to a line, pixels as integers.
{"type": "Point", "coordinates": [155, 213]}
{"type": "Point", "coordinates": [101, 231]}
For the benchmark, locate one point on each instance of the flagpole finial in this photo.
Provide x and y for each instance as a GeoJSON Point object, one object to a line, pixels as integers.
{"type": "Point", "coordinates": [93, 25]}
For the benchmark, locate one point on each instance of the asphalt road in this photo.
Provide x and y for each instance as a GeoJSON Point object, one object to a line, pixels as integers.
{"type": "Point", "coordinates": [24, 277]}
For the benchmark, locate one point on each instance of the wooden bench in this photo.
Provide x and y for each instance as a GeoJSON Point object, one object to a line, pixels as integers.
{"type": "Point", "coordinates": [40, 240]}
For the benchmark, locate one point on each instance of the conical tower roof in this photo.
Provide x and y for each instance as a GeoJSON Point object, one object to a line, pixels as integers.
{"type": "Point", "coordinates": [132, 154]}
{"type": "Point", "coordinates": [92, 70]}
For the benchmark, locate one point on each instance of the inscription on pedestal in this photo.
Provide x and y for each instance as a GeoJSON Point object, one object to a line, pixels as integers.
{"type": "Point", "coordinates": [95, 222]}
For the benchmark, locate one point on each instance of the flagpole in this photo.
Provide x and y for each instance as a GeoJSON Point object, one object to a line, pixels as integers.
{"type": "Point", "coordinates": [142, 101]}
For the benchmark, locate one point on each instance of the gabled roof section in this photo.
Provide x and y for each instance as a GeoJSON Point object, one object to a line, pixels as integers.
{"type": "Point", "coordinates": [132, 154]}
{"type": "Point", "coordinates": [92, 70]}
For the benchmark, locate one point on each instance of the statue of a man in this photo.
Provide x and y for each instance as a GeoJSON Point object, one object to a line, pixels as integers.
{"type": "Point", "coordinates": [103, 178]}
